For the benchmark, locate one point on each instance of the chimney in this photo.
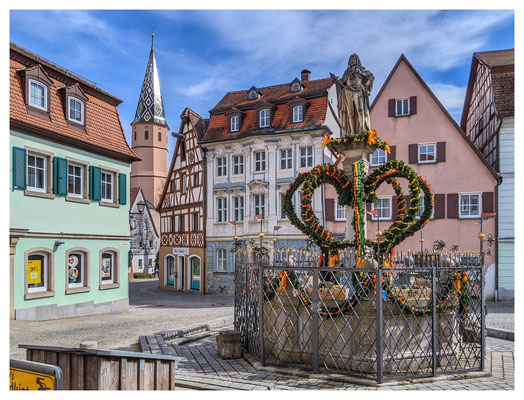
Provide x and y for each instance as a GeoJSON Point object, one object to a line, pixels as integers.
{"type": "Point", "coordinates": [305, 75]}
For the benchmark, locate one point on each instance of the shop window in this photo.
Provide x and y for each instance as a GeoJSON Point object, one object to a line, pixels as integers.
{"type": "Point", "coordinates": [39, 273]}
{"type": "Point", "coordinates": [77, 270]}
{"type": "Point", "coordinates": [109, 268]}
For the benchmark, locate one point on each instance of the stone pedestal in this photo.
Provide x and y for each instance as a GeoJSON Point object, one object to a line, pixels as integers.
{"type": "Point", "coordinates": [229, 345]}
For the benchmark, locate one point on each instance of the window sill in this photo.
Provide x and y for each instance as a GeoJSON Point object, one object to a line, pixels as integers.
{"type": "Point", "coordinates": [109, 204]}
{"type": "Point", "coordinates": [469, 217]}
{"type": "Point", "coordinates": [104, 286]}
{"type": "Point", "coordinates": [34, 193]}
{"type": "Point", "coordinates": [78, 199]}
{"type": "Point", "coordinates": [78, 290]}
{"type": "Point", "coordinates": [39, 295]}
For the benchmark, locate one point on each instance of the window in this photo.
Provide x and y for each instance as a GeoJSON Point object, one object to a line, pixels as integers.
{"type": "Point", "coordinates": [150, 244]}
{"type": "Point", "coordinates": [37, 172]}
{"type": "Point", "coordinates": [298, 114]}
{"type": "Point", "coordinates": [76, 110]}
{"type": "Point", "coordinates": [422, 207]}
{"type": "Point", "coordinates": [383, 205]}
{"type": "Point", "coordinates": [260, 205]}
{"type": "Point", "coordinates": [286, 159]}
{"type": "Point", "coordinates": [195, 219]}
{"type": "Point", "coordinates": [146, 135]}
{"type": "Point", "coordinates": [401, 107]}
{"type": "Point", "coordinates": [427, 153]}
{"type": "Point", "coordinates": [306, 157]}
{"type": "Point", "coordinates": [238, 165]}
{"type": "Point", "coordinates": [340, 212]}
{"type": "Point", "coordinates": [221, 166]}
{"type": "Point", "coordinates": [469, 205]}
{"type": "Point", "coordinates": [183, 149]}
{"type": "Point", "coordinates": [109, 268]}
{"type": "Point", "coordinates": [260, 160]}
{"type": "Point", "coordinates": [221, 260]}
{"type": "Point", "coordinates": [264, 118]}
{"type": "Point", "coordinates": [234, 124]}
{"type": "Point", "coordinates": [181, 223]}
{"type": "Point", "coordinates": [76, 269]}
{"type": "Point", "coordinates": [170, 271]}
{"type": "Point", "coordinates": [196, 179]}
{"type": "Point", "coordinates": [298, 205]}
{"type": "Point", "coordinates": [159, 136]}
{"type": "Point", "coordinates": [283, 214]}
{"type": "Point", "coordinates": [37, 95]}
{"type": "Point", "coordinates": [184, 183]}
{"type": "Point", "coordinates": [238, 208]}
{"type": "Point", "coordinates": [75, 180]}
{"type": "Point", "coordinates": [107, 186]}
{"type": "Point", "coordinates": [140, 263]}
{"type": "Point", "coordinates": [295, 87]}
{"type": "Point", "coordinates": [378, 157]}
{"type": "Point", "coordinates": [37, 272]}
{"type": "Point", "coordinates": [221, 209]}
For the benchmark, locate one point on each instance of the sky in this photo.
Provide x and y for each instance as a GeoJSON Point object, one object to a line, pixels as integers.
{"type": "Point", "coordinates": [203, 54]}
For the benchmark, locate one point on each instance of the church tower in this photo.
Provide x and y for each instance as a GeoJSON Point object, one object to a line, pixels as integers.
{"type": "Point", "coordinates": [150, 137]}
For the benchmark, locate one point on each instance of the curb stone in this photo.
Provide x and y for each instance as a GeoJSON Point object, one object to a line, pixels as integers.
{"type": "Point", "coordinates": [501, 334]}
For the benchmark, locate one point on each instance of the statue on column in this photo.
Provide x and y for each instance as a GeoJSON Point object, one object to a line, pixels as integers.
{"type": "Point", "coordinates": [353, 97]}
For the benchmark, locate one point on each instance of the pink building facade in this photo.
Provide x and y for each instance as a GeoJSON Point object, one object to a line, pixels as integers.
{"type": "Point", "coordinates": [423, 134]}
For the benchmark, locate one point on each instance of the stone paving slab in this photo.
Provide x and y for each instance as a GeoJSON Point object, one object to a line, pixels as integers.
{"type": "Point", "coordinates": [202, 369]}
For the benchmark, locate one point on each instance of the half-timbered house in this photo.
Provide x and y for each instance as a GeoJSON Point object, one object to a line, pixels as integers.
{"type": "Point", "coordinates": [181, 208]}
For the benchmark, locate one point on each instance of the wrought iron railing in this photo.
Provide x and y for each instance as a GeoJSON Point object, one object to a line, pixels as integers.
{"type": "Point", "coordinates": [425, 319]}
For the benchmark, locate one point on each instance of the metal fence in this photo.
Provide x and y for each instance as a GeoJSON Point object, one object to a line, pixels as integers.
{"type": "Point", "coordinates": [292, 312]}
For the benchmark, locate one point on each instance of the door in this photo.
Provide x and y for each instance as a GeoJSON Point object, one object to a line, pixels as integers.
{"type": "Point", "coordinates": [195, 273]}
{"type": "Point", "coordinates": [170, 271]}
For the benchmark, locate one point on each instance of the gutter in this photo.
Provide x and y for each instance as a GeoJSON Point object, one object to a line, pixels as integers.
{"type": "Point", "coordinates": [499, 182]}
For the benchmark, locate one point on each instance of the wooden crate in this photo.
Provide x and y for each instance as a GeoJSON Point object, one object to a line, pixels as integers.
{"type": "Point", "coordinates": [95, 369]}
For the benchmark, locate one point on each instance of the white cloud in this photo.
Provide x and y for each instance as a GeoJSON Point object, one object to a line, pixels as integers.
{"type": "Point", "coordinates": [451, 96]}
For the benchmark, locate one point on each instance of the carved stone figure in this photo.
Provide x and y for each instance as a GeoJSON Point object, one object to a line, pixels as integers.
{"type": "Point", "coordinates": [353, 99]}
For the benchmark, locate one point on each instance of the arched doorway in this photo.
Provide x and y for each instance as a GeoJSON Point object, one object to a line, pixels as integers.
{"type": "Point", "coordinates": [195, 272]}
{"type": "Point", "coordinates": [170, 271]}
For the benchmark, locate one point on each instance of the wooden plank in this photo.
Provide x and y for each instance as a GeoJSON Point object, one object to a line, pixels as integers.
{"type": "Point", "coordinates": [109, 372]}
{"type": "Point", "coordinates": [132, 374]}
{"type": "Point", "coordinates": [123, 374]}
{"type": "Point", "coordinates": [77, 372]}
{"type": "Point", "coordinates": [37, 356]}
{"type": "Point", "coordinates": [149, 375]}
{"type": "Point", "coordinates": [91, 372]}
{"type": "Point", "coordinates": [51, 357]}
{"type": "Point", "coordinates": [171, 375]}
{"type": "Point", "coordinates": [157, 375]}
{"type": "Point", "coordinates": [64, 362]}
{"type": "Point", "coordinates": [141, 372]}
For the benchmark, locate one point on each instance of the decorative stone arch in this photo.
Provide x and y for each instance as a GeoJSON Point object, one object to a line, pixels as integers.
{"type": "Point", "coordinates": [50, 280]}
{"type": "Point", "coordinates": [87, 267]}
{"type": "Point", "coordinates": [116, 269]}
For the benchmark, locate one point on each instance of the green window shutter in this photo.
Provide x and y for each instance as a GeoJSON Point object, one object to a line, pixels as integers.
{"type": "Point", "coordinates": [122, 192]}
{"type": "Point", "coordinates": [95, 183]}
{"type": "Point", "coordinates": [60, 176]}
{"type": "Point", "coordinates": [19, 168]}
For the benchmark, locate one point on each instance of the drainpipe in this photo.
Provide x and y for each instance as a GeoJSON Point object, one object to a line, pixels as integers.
{"type": "Point", "coordinates": [499, 182]}
{"type": "Point", "coordinates": [204, 218]}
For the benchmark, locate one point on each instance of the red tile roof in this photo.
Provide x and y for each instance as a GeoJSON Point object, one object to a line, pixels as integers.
{"type": "Point", "coordinates": [103, 129]}
{"type": "Point", "coordinates": [133, 192]}
{"type": "Point", "coordinates": [314, 92]}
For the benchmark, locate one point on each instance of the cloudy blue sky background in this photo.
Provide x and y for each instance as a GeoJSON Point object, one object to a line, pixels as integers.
{"type": "Point", "coordinates": [203, 54]}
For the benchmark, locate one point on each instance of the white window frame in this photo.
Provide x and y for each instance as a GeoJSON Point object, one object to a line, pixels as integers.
{"type": "Point", "coordinates": [258, 164]}
{"type": "Point", "coordinates": [238, 208]}
{"type": "Point", "coordinates": [105, 182]}
{"type": "Point", "coordinates": [434, 153]}
{"type": "Point", "coordinates": [307, 157]}
{"type": "Point", "coordinates": [286, 156]}
{"type": "Point", "coordinates": [113, 270]}
{"type": "Point", "coordinates": [69, 180]}
{"type": "Point", "coordinates": [376, 156]}
{"type": "Point", "coordinates": [298, 114]}
{"type": "Point", "coordinates": [282, 214]}
{"type": "Point", "coordinates": [469, 194]}
{"type": "Point", "coordinates": [40, 84]}
{"type": "Point", "coordinates": [45, 270]}
{"type": "Point", "coordinates": [221, 166]}
{"type": "Point", "coordinates": [234, 123]}
{"type": "Point", "coordinates": [264, 118]}
{"type": "Point", "coordinates": [221, 260]}
{"type": "Point", "coordinates": [422, 207]}
{"type": "Point", "coordinates": [82, 110]}
{"type": "Point", "coordinates": [378, 217]}
{"type": "Point", "coordinates": [259, 205]}
{"type": "Point", "coordinates": [298, 203]}
{"type": "Point", "coordinates": [238, 164]}
{"type": "Point", "coordinates": [184, 183]}
{"type": "Point", "coordinates": [82, 270]}
{"type": "Point", "coordinates": [45, 172]}
{"type": "Point", "coordinates": [221, 203]}
{"type": "Point", "coordinates": [337, 210]}
{"type": "Point", "coordinates": [404, 107]}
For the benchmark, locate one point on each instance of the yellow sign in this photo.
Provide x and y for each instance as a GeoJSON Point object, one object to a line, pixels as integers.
{"type": "Point", "coordinates": [34, 271]}
{"type": "Point", "coordinates": [21, 379]}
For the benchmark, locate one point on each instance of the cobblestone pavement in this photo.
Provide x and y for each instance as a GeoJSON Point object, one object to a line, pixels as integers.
{"type": "Point", "coordinates": [202, 369]}
{"type": "Point", "coordinates": [501, 315]}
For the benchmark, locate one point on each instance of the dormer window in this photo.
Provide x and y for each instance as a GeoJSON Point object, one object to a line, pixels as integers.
{"type": "Point", "coordinates": [264, 118]}
{"type": "Point", "coordinates": [253, 93]}
{"type": "Point", "coordinates": [76, 110]}
{"type": "Point", "coordinates": [296, 85]}
{"type": "Point", "coordinates": [234, 123]}
{"type": "Point", "coordinates": [298, 114]}
{"type": "Point", "coordinates": [37, 95]}
{"type": "Point", "coordinates": [297, 110]}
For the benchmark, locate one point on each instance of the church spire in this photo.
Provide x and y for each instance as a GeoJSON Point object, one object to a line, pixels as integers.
{"type": "Point", "coordinates": [150, 106]}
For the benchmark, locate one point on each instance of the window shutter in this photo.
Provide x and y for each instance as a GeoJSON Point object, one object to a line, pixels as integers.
{"type": "Point", "coordinates": [19, 168]}
{"type": "Point", "coordinates": [391, 107]}
{"type": "Point", "coordinates": [487, 202]}
{"type": "Point", "coordinates": [122, 189]}
{"type": "Point", "coordinates": [330, 209]}
{"type": "Point", "coordinates": [441, 151]}
{"type": "Point", "coordinates": [412, 105]}
{"type": "Point", "coordinates": [439, 206]}
{"type": "Point", "coordinates": [392, 153]}
{"type": "Point", "coordinates": [368, 208]}
{"type": "Point", "coordinates": [413, 154]}
{"type": "Point", "coordinates": [95, 183]}
{"type": "Point", "coordinates": [453, 205]}
{"type": "Point", "coordinates": [60, 176]}
{"type": "Point", "coordinates": [394, 207]}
